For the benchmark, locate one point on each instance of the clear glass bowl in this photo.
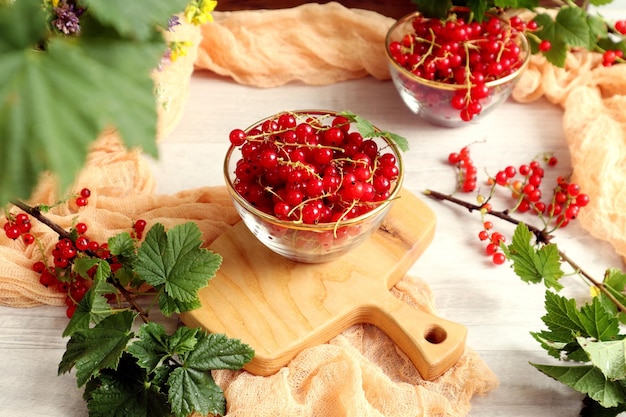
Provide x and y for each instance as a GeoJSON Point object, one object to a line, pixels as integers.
{"type": "Point", "coordinates": [310, 243]}
{"type": "Point", "coordinates": [430, 99]}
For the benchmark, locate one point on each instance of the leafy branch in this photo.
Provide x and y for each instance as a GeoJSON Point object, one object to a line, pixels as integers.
{"type": "Point", "coordinates": [588, 335]}
{"type": "Point", "coordinates": [149, 372]}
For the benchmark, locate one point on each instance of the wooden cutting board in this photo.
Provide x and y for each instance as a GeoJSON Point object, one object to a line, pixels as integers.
{"type": "Point", "coordinates": [280, 307]}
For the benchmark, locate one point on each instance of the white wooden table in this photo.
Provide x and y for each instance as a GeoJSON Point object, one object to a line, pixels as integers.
{"type": "Point", "coordinates": [497, 308]}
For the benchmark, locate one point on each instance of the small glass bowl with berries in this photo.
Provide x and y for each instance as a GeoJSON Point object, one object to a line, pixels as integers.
{"type": "Point", "coordinates": [309, 185]}
{"type": "Point", "coordinates": [455, 70]}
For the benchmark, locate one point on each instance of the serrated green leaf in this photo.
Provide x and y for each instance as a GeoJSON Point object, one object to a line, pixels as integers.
{"type": "Point", "coordinates": [547, 31]}
{"type": "Point", "coordinates": [122, 244]}
{"type": "Point", "coordinates": [146, 15]}
{"type": "Point", "coordinates": [598, 323]}
{"type": "Point", "coordinates": [532, 264]}
{"type": "Point", "coordinates": [587, 380]}
{"type": "Point", "coordinates": [169, 305]}
{"type": "Point", "coordinates": [566, 323]}
{"type": "Point", "coordinates": [572, 26]}
{"type": "Point", "coordinates": [176, 261]}
{"type": "Point", "coordinates": [192, 390]}
{"type": "Point", "coordinates": [125, 392]}
{"type": "Point", "coordinates": [151, 348]}
{"type": "Point", "coordinates": [368, 130]}
{"type": "Point", "coordinates": [92, 309]}
{"type": "Point", "coordinates": [608, 356]}
{"type": "Point", "coordinates": [90, 350]}
{"type": "Point", "coordinates": [216, 351]}
{"type": "Point", "coordinates": [183, 340]}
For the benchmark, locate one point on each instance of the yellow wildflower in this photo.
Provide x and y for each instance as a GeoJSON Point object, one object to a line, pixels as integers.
{"type": "Point", "coordinates": [198, 12]}
{"type": "Point", "coordinates": [594, 291]}
{"type": "Point", "coordinates": [178, 49]}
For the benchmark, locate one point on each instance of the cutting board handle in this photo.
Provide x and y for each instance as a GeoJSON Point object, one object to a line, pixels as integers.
{"type": "Point", "coordinates": [433, 344]}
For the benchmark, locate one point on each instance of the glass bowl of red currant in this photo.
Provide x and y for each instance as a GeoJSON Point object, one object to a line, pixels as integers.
{"type": "Point", "coordinates": [309, 185]}
{"type": "Point", "coordinates": [456, 70]}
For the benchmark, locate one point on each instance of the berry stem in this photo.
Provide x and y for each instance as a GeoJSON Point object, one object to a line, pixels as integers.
{"type": "Point", "coordinates": [540, 235]}
{"type": "Point", "coordinates": [36, 213]}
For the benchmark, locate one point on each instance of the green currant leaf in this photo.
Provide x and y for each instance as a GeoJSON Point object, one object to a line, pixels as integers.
{"type": "Point", "coordinates": [90, 350]}
{"type": "Point", "coordinates": [608, 356]}
{"type": "Point", "coordinates": [151, 349]}
{"type": "Point", "coordinates": [566, 323]}
{"type": "Point", "coordinates": [572, 26]}
{"type": "Point", "coordinates": [92, 309]}
{"type": "Point", "coordinates": [598, 323]}
{"type": "Point", "coordinates": [216, 351]}
{"type": "Point", "coordinates": [191, 387]}
{"type": "Point", "coordinates": [175, 261]}
{"type": "Point", "coordinates": [192, 390]}
{"type": "Point", "coordinates": [122, 244]}
{"type": "Point", "coordinates": [547, 31]}
{"type": "Point", "coordinates": [532, 264]}
{"type": "Point", "coordinates": [597, 26]}
{"type": "Point", "coordinates": [86, 74]}
{"type": "Point", "coordinates": [144, 16]}
{"type": "Point", "coordinates": [368, 130]}
{"type": "Point", "coordinates": [588, 380]}
{"type": "Point", "coordinates": [183, 340]}
{"type": "Point", "coordinates": [24, 25]}
{"type": "Point", "coordinates": [169, 305]}
{"type": "Point", "coordinates": [429, 8]}
{"type": "Point", "coordinates": [125, 392]}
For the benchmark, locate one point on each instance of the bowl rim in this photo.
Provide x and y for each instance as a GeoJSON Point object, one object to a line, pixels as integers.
{"type": "Point", "coordinates": [447, 86]}
{"type": "Point", "coordinates": [318, 227]}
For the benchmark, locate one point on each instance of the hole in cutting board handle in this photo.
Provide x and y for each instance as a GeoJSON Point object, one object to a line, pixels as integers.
{"type": "Point", "coordinates": [435, 334]}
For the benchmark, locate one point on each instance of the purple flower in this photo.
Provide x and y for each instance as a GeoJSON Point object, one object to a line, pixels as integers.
{"type": "Point", "coordinates": [67, 20]}
{"type": "Point", "coordinates": [173, 22]}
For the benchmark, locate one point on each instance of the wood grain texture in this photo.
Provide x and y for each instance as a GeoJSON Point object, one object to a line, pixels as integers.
{"type": "Point", "coordinates": [280, 307]}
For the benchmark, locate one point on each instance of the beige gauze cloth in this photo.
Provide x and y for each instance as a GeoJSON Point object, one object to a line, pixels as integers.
{"type": "Point", "coordinates": [360, 372]}
{"type": "Point", "coordinates": [593, 98]}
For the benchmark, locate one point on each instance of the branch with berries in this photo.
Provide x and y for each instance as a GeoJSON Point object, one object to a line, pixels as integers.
{"type": "Point", "coordinates": [585, 337]}
{"type": "Point", "coordinates": [106, 285]}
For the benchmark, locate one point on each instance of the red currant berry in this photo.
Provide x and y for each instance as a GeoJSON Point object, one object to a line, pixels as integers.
{"type": "Point", "coordinates": [545, 45]}
{"type": "Point", "coordinates": [85, 193]}
{"type": "Point", "coordinates": [81, 228]}
{"type": "Point", "coordinates": [81, 202]}
{"type": "Point", "coordinates": [12, 232]}
{"type": "Point", "coordinates": [498, 258]}
{"type": "Point", "coordinates": [237, 137]}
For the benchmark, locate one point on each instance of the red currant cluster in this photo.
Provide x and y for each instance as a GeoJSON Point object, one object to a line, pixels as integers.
{"type": "Point", "coordinates": [466, 169]}
{"type": "Point", "coordinates": [493, 239]}
{"type": "Point", "coordinates": [524, 183]}
{"type": "Point", "coordinates": [313, 170]}
{"type": "Point", "coordinates": [468, 54]}
{"type": "Point", "coordinates": [19, 225]}
{"type": "Point", "coordinates": [83, 198]}
{"type": "Point", "coordinates": [61, 277]}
